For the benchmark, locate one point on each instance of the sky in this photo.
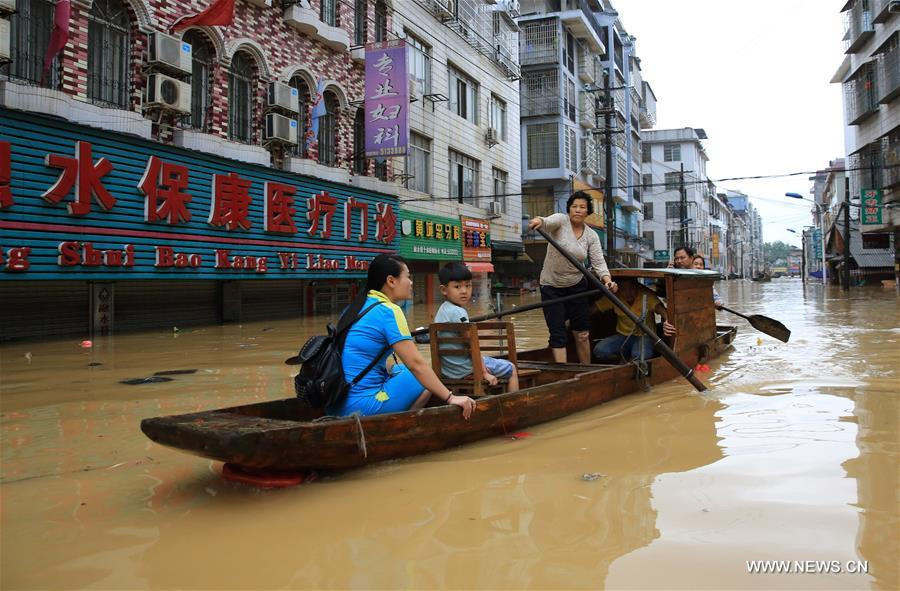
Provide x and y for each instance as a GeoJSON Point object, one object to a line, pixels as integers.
{"type": "Point", "coordinates": [755, 76]}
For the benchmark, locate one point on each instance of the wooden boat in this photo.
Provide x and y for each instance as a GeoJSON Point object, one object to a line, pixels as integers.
{"type": "Point", "coordinates": [280, 435]}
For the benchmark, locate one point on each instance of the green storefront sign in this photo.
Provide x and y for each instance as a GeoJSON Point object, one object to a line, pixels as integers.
{"type": "Point", "coordinates": [871, 206]}
{"type": "Point", "coordinates": [430, 237]}
{"type": "Point", "coordinates": [660, 255]}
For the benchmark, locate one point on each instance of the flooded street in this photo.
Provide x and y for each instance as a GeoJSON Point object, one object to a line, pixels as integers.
{"type": "Point", "coordinates": [791, 455]}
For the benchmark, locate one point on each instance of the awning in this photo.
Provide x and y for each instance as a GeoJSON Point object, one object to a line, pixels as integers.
{"type": "Point", "coordinates": [480, 267]}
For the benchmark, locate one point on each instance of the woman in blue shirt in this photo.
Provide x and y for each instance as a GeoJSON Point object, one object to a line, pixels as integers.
{"type": "Point", "coordinates": [409, 385]}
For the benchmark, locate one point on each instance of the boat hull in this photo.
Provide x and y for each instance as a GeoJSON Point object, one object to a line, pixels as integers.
{"type": "Point", "coordinates": [280, 435]}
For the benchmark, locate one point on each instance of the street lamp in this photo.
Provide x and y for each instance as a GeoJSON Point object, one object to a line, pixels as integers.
{"type": "Point", "coordinates": [822, 221]}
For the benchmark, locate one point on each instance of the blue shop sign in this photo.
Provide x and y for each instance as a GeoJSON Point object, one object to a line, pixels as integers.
{"type": "Point", "coordinates": [82, 203]}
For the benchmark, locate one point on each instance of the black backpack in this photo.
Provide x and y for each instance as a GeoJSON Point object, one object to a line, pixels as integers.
{"type": "Point", "coordinates": [321, 382]}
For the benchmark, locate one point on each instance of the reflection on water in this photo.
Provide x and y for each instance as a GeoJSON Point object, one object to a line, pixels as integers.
{"type": "Point", "coordinates": [791, 455]}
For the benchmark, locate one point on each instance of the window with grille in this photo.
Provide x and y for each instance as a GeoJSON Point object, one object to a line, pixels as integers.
{"type": "Point", "coordinates": [673, 181]}
{"type": "Point", "coordinates": [649, 238]}
{"type": "Point", "coordinates": [302, 116]}
{"type": "Point", "coordinates": [543, 145]}
{"type": "Point", "coordinates": [201, 69]}
{"type": "Point", "coordinates": [569, 50]}
{"type": "Point", "coordinates": [645, 153]}
{"type": "Point", "coordinates": [539, 42]}
{"type": "Point", "coordinates": [328, 12]}
{"type": "Point", "coordinates": [500, 182]}
{"type": "Point", "coordinates": [570, 100]}
{"type": "Point", "coordinates": [463, 177]}
{"type": "Point", "coordinates": [498, 116]}
{"type": "Point", "coordinates": [418, 163]}
{"type": "Point", "coordinates": [328, 131]}
{"type": "Point", "coordinates": [463, 95]}
{"type": "Point", "coordinates": [360, 22]}
{"type": "Point", "coordinates": [673, 210]}
{"type": "Point", "coordinates": [109, 62]}
{"type": "Point", "coordinates": [240, 98]}
{"type": "Point", "coordinates": [647, 181]}
{"type": "Point", "coordinates": [648, 211]}
{"type": "Point", "coordinates": [672, 152]}
{"type": "Point", "coordinates": [381, 25]}
{"type": "Point", "coordinates": [29, 36]}
{"type": "Point", "coordinates": [360, 165]}
{"type": "Point", "coordinates": [571, 149]}
{"type": "Point", "coordinates": [419, 63]}
{"type": "Point", "coordinates": [540, 93]}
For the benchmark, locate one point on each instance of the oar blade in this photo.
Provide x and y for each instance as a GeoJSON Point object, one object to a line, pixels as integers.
{"type": "Point", "coordinates": [770, 326]}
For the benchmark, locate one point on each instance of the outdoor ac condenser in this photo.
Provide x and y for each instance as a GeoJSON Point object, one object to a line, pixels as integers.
{"type": "Point", "coordinates": [167, 93]}
{"type": "Point", "coordinates": [170, 53]}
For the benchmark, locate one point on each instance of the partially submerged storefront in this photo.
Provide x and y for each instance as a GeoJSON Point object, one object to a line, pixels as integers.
{"type": "Point", "coordinates": [102, 231]}
{"type": "Point", "coordinates": [427, 242]}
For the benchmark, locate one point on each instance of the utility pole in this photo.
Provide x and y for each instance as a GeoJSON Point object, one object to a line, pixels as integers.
{"type": "Point", "coordinates": [684, 222]}
{"type": "Point", "coordinates": [608, 203]}
{"type": "Point", "coordinates": [803, 256]}
{"type": "Point", "coordinates": [845, 275]}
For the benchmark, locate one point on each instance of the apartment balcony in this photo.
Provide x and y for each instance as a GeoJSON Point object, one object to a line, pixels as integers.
{"type": "Point", "coordinates": [889, 72]}
{"type": "Point", "coordinates": [307, 21]}
{"type": "Point", "coordinates": [539, 42]}
{"type": "Point", "coordinates": [861, 93]}
{"type": "Point", "coordinates": [861, 27]}
{"type": "Point", "coordinates": [587, 113]}
{"type": "Point", "coordinates": [648, 106]}
{"type": "Point", "coordinates": [584, 26]}
{"type": "Point", "coordinates": [586, 68]}
{"type": "Point", "coordinates": [882, 10]}
{"type": "Point", "coordinates": [590, 156]}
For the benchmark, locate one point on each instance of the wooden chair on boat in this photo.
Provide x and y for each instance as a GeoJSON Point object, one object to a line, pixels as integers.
{"type": "Point", "coordinates": [477, 339]}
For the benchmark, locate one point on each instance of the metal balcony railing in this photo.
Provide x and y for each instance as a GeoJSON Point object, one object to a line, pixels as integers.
{"type": "Point", "coordinates": [861, 26]}
{"type": "Point", "coordinates": [539, 42]}
{"type": "Point", "coordinates": [540, 93]}
{"type": "Point", "coordinates": [889, 72]}
{"type": "Point", "coordinates": [861, 94]}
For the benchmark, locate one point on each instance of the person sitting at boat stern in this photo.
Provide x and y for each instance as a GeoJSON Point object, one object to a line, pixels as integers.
{"type": "Point", "coordinates": [559, 278]}
{"type": "Point", "coordinates": [456, 287]}
{"type": "Point", "coordinates": [409, 384]}
{"type": "Point", "coordinates": [630, 342]}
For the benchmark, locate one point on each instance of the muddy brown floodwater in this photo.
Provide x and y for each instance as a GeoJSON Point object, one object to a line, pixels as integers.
{"type": "Point", "coordinates": [792, 455]}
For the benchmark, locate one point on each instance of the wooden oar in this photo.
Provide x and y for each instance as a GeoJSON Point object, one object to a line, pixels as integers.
{"type": "Point", "coordinates": [764, 324]}
{"type": "Point", "coordinates": [586, 294]}
{"type": "Point", "coordinates": [658, 343]}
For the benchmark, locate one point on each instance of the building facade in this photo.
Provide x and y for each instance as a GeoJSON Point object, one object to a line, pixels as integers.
{"type": "Point", "coordinates": [151, 178]}
{"type": "Point", "coordinates": [571, 51]}
{"type": "Point", "coordinates": [870, 77]}
{"type": "Point", "coordinates": [681, 205]}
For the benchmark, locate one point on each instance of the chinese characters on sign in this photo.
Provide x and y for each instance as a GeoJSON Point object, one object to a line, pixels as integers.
{"type": "Point", "coordinates": [387, 99]}
{"type": "Point", "coordinates": [871, 207]}
{"type": "Point", "coordinates": [162, 189]}
{"type": "Point", "coordinates": [429, 237]}
{"type": "Point", "coordinates": [476, 239]}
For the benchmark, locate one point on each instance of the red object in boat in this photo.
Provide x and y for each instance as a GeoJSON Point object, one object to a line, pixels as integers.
{"type": "Point", "coordinates": [261, 478]}
{"type": "Point", "coordinates": [520, 435]}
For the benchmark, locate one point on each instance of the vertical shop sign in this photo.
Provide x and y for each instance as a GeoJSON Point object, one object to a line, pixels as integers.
{"type": "Point", "coordinates": [387, 99]}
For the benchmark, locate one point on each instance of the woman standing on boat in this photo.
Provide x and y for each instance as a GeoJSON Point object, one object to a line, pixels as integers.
{"type": "Point", "coordinates": [559, 278]}
{"type": "Point", "coordinates": [407, 386]}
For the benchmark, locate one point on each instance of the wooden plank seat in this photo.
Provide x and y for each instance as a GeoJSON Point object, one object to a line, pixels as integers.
{"type": "Point", "coordinates": [493, 339]}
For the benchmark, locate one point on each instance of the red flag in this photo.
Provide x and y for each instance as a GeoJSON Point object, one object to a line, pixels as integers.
{"type": "Point", "coordinates": [219, 14]}
{"type": "Point", "coordinates": [59, 35]}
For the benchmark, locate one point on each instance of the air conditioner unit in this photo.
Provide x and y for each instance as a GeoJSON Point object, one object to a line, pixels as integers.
{"type": "Point", "coordinates": [281, 129]}
{"type": "Point", "coordinates": [283, 96]}
{"type": "Point", "coordinates": [495, 208]}
{"type": "Point", "coordinates": [164, 92]}
{"type": "Point", "coordinates": [4, 40]}
{"type": "Point", "coordinates": [492, 138]}
{"type": "Point", "coordinates": [7, 6]}
{"type": "Point", "coordinates": [169, 52]}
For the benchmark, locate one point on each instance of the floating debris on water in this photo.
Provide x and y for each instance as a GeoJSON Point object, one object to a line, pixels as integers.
{"type": "Point", "coordinates": [175, 372]}
{"type": "Point", "coordinates": [150, 380]}
{"type": "Point", "coordinates": [592, 476]}
{"type": "Point", "coordinates": [94, 364]}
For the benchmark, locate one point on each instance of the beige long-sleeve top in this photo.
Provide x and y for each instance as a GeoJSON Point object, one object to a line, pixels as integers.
{"type": "Point", "coordinates": [557, 271]}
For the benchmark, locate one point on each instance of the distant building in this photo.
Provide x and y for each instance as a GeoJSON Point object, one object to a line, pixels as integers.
{"type": "Point", "coordinates": [870, 77]}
